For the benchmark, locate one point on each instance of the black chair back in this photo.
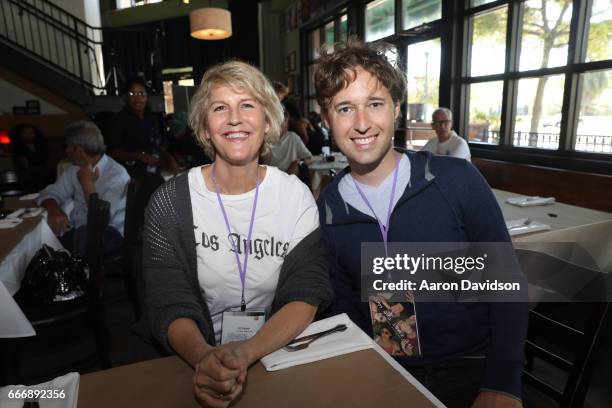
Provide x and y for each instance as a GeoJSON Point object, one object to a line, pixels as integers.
{"type": "Point", "coordinates": [304, 174]}
{"type": "Point", "coordinates": [98, 216]}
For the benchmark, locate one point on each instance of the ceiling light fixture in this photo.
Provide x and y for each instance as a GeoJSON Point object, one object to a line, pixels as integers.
{"type": "Point", "coordinates": [210, 23]}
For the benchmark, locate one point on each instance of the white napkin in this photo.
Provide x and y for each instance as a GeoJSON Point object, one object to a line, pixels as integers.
{"type": "Point", "coordinates": [351, 340]}
{"type": "Point", "coordinates": [32, 196]}
{"type": "Point", "coordinates": [10, 222]}
{"type": "Point", "coordinates": [32, 212]}
{"type": "Point", "coordinates": [68, 384]}
{"type": "Point", "coordinates": [523, 226]}
{"type": "Point", "coordinates": [16, 214]}
{"type": "Point", "coordinates": [522, 201]}
{"type": "Point", "coordinates": [14, 322]}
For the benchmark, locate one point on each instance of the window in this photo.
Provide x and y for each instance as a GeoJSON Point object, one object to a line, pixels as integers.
{"type": "Point", "coordinates": [484, 117]}
{"type": "Point", "coordinates": [379, 19]}
{"type": "Point", "coordinates": [122, 4]}
{"type": "Point", "coordinates": [475, 3]}
{"type": "Point", "coordinates": [423, 79]}
{"type": "Point", "coordinates": [547, 88]}
{"type": "Point", "coordinates": [344, 28]}
{"type": "Point", "coordinates": [529, 75]}
{"type": "Point", "coordinates": [599, 41]}
{"type": "Point", "coordinates": [595, 118]}
{"type": "Point", "coordinates": [545, 34]}
{"type": "Point", "coordinates": [488, 43]}
{"type": "Point", "coordinates": [314, 43]}
{"type": "Point", "coordinates": [538, 113]}
{"type": "Point", "coordinates": [329, 32]}
{"type": "Point", "coordinates": [418, 12]}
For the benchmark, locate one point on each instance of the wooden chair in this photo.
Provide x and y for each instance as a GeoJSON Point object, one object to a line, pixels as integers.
{"type": "Point", "coordinates": [72, 317]}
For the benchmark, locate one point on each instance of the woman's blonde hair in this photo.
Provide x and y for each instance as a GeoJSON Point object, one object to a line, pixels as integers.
{"type": "Point", "coordinates": [241, 76]}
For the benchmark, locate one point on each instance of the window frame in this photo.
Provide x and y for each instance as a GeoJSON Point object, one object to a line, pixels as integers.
{"type": "Point", "coordinates": [565, 156]}
{"type": "Point", "coordinates": [453, 31]}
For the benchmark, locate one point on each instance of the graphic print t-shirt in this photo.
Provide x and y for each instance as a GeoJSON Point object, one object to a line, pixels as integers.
{"type": "Point", "coordinates": [286, 212]}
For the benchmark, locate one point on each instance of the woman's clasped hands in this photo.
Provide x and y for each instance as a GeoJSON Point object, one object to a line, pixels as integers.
{"type": "Point", "coordinates": [220, 376]}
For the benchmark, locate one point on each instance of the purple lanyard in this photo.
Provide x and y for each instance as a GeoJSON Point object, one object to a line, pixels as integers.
{"type": "Point", "coordinates": [384, 230]}
{"type": "Point", "coordinates": [242, 268]}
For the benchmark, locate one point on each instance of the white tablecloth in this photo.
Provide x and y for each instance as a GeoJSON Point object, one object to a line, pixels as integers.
{"type": "Point", "coordinates": [13, 266]}
{"type": "Point", "coordinates": [13, 323]}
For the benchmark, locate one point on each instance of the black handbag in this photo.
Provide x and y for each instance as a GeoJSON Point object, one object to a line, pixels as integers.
{"type": "Point", "coordinates": [55, 276]}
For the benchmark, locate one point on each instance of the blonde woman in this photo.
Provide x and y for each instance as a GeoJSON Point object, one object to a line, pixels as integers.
{"type": "Point", "coordinates": [218, 243]}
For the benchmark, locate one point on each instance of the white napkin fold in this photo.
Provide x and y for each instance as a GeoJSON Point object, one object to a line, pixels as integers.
{"type": "Point", "coordinates": [32, 196]}
{"type": "Point", "coordinates": [523, 201]}
{"type": "Point", "coordinates": [523, 226]}
{"type": "Point", "coordinates": [68, 384]}
{"type": "Point", "coordinates": [33, 212]}
{"type": "Point", "coordinates": [16, 214]}
{"type": "Point", "coordinates": [10, 222]}
{"type": "Point", "coordinates": [351, 340]}
{"type": "Point", "coordinates": [14, 322]}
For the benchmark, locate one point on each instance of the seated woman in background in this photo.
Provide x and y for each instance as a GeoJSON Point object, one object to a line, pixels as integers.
{"type": "Point", "coordinates": [31, 154]}
{"type": "Point", "coordinates": [220, 244]}
{"type": "Point", "coordinates": [289, 150]}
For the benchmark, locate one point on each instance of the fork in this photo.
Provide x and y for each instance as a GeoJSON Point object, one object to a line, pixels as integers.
{"type": "Point", "coordinates": [307, 340]}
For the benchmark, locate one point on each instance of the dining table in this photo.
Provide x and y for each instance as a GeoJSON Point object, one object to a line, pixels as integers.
{"type": "Point", "coordinates": [367, 378]}
{"type": "Point", "coordinates": [323, 168]}
{"type": "Point", "coordinates": [18, 245]}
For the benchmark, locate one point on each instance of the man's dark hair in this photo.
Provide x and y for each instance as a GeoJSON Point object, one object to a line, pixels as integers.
{"type": "Point", "coordinates": [337, 68]}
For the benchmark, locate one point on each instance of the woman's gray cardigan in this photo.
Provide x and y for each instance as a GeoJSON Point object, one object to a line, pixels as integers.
{"type": "Point", "coordinates": [171, 287]}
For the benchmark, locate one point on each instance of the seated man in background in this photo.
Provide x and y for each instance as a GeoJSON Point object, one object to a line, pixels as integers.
{"type": "Point", "coordinates": [289, 150]}
{"type": "Point", "coordinates": [92, 171]}
{"type": "Point", "coordinates": [446, 142]}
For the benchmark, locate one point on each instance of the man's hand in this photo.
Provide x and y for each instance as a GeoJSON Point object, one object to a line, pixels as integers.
{"type": "Point", "coordinates": [87, 177]}
{"type": "Point", "coordinates": [490, 399]}
{"type": "Point", "coordinates": [220, 375]}
{"type": "Point", "coordinates": [57, 219]}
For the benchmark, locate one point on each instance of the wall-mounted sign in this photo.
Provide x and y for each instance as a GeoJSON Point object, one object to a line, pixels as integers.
{"type": "Point", "coordinates": [33, 107]}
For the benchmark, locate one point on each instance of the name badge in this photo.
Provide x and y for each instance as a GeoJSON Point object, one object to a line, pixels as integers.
{"type": "Point", "coordinates": [238, 325]}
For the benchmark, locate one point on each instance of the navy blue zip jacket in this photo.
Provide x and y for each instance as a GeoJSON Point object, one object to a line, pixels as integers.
{"type": "Point", "coordinates": [446, 200]}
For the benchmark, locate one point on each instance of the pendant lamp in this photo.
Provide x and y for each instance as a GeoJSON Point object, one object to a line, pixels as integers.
{"type": "Point", "coordinates": [210, 23]}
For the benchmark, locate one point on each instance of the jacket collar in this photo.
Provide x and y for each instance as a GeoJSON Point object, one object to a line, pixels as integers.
{"type": "Point", "coordinates": [337, 211]}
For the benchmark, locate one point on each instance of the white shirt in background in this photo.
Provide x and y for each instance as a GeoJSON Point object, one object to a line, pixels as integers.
{"type": "Point", "coordinates": [455, 146]}
{"type": "Point", "coordinates": [286, 212]}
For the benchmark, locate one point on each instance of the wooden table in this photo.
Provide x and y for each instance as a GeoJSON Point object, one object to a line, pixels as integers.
{"type": "Point", "coordinates": [14, 203]}
{"type": "Point", "coordinates": [360, 379]}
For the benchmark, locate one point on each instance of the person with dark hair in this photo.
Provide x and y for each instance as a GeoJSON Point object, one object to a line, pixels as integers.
{"type": "Point", "coordinates": [312, 137]}
{"type": "Point", "coordinates": [134, 135]}
{"type": "Point", "coordinates": [470, 354]}
{"type": "Point", "coordinates": [31, 155]}
{"type": "Point", "coordinates": [29, 146]}
{"type": "Point", "coordinates": [91, 171]}
{"type": "Point", "coordinates": [282, 90]}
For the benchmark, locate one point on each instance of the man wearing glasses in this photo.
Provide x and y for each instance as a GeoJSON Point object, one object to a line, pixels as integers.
{"type": "Point", "coordinates": [446, 142]}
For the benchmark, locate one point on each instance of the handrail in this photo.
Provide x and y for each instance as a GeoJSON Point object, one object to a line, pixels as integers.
{"type": "Point", "coordinates": [46, 32]}
{"type": "Point", "coordinates": [61, 10]}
